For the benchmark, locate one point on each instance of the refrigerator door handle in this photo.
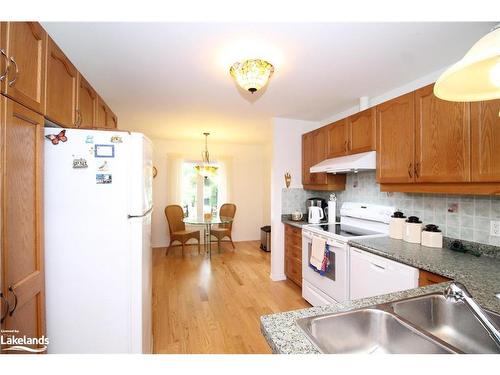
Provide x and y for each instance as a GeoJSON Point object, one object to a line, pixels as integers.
{"type": "Point", "coordinates": [144, 214]}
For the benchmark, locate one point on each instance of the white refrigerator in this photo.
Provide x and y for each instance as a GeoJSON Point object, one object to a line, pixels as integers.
{"type": "Point", "coordinates": [98, 271]}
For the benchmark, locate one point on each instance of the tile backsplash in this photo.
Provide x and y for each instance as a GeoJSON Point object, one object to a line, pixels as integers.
{"type": "Point", "coordinates": [465, 217]}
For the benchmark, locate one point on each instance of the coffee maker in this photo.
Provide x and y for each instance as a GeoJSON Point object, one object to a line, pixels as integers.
{"type": "Point", "coordinates": [317, 202]}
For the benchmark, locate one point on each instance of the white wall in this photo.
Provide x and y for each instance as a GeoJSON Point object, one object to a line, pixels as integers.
{"type": "Point", "coordinates": [286, 157]}
{"type": "Point", "coordinates": [250, 185]}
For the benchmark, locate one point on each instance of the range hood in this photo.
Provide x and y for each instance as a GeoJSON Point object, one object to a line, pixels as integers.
{"type": "Point", "coordinates": [365, 161]}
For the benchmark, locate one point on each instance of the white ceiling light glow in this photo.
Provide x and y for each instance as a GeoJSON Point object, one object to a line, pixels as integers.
{"type": "Point", "coordinates": [477, 76]}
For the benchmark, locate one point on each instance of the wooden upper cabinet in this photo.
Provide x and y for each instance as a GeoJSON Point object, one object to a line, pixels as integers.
{"type": "Point", "coordinates": [337, 139]}
{"type": "Point", "coordinates": [87, 104]}
{"type": "Point", "coordinates": [22, 220]}
{"type": "Point", "coordinates": [102, 114]}
{"type": "Point", "coordinates": [485, 134]}
{"type": "Point", "coordinates": [442, 141]}
{"type": "Point", "coordinates": [319, 154]}
{"type": "Point", "coordinates": [112, 120]}
{"type": "Point", "coordinates": [307, 158]}
{"type": "Point", "coordinates": [24, 44]}
{"type": "Point", "coordinates": [61, 94]}
{"type": "Point", "coordinates": [361, 131]}
{"type": "Point", "coordinates": [396, 140]}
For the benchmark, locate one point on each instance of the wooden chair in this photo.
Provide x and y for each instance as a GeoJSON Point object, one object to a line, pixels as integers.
{"type": "Point", "coordinates": [224, 230]}
{"type": "Point", "coordinates": [177, 228]}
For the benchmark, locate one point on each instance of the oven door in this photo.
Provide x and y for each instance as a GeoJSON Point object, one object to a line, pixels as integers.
{"type": "Point", "coordinates": [334, 282]}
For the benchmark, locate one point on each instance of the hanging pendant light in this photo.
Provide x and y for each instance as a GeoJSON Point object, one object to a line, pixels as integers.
{"type": "Point", "coordinates": [477, 76]}
{"type": "Point", "coordinates": [252, 75]}
{"type": "Point", "coordinates": [206, 168]}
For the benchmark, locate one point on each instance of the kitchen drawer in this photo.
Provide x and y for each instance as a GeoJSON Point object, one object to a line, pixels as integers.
{"type": "Point", "coordinates": [293, 251]}
{"type": "Point", "coordinates": [292, 240]}
{"type": "Point", "coordinates": [293, 231]}
{"type": "Point", "coordinates": [293, 270]}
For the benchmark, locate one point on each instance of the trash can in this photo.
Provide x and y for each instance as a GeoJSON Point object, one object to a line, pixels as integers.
{"type": "Point", "coordinates": [265, 238]}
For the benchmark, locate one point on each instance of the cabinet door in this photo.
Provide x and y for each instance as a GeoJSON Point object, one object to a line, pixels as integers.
{"type": "Point", "coordinates": [485, 145]}
{"type": "Point", "coordinates": [61, 87]}
{"type": "Point", "coordinates": [319, 154]}
{"type": "Point", "coordinates": [102, 114]}
{"type": "Point", "coordinates": [442, 142]}
{"type": "Point", "coordinates": [22, 231]}
{"type": "Point", "coordinates": [87, 104]}
{"type": "Point", "coordinates": [25, 43]}
{"type": "Point", "coordinates": [112, 120]}
{"type": "Point", "coordinates": [307, 158]}
{"type": "Point", "coordinates": [361, 131]}
{"type": "Point", "coordinates": [337, 139]}
{"type": "Point", "coordinates": [396, 140]}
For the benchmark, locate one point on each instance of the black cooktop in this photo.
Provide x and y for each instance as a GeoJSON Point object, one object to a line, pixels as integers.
{"type": "Point", "coordinates": [345, 231]}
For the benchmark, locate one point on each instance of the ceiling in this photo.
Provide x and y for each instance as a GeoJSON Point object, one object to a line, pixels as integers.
{"type": "Point", "coordinates": [171, 80]}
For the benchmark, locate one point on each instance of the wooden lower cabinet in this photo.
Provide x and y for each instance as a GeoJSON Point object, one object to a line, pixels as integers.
{"type": "Point", "coordinates": [428, 278]}
{"type": "Point", "coordinates": [22, 262]}
{"type": "Point", "coordinates": [293, 254]}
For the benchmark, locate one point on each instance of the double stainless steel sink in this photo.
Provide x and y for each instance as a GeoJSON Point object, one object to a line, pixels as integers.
{"type": "Point", "coordinates": [420, 325]}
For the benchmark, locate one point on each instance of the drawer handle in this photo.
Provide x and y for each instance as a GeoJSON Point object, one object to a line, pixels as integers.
{"type": "Point", "coordinates": [11, 83]}
{"type": "Point", "coordinates": [376, 265]}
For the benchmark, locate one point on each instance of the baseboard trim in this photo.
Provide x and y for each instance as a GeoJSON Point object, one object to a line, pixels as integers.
{"type": "Point", "coordinates": [277, 277]}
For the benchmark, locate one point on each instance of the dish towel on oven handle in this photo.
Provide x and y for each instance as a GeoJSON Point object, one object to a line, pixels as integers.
{"type": "Point", "coordinates": [319, 260]}
{"type": "Point", "coordinates": [318, 247]}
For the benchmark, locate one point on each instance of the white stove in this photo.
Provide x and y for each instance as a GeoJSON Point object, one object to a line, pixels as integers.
{"type": "Point", "coordinates": [357, 220]}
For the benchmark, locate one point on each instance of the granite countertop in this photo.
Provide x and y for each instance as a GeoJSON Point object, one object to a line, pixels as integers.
{"type": "Point", "coordinates": [480, 275]}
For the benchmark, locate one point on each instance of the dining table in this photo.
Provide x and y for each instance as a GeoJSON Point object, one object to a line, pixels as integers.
{"type": "Point", "coordinates": [207, 222]}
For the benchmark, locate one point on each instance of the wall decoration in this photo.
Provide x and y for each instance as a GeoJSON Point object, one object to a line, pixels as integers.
{"type": "Point", "coordinates": [288, 179]}
{"type": "Point", "coordinates": [155, 172]}
{"type": "Point", "coordinates": [104, 151]}
{"type": "Point", "coordinates": [103, 178]}
{"type": "Point", "coordinates": [89, 139]}
{"type": "Point", "coordinates": [103, 167]}
{"type": "Point", "coordinates": [80, 163]}
{"type": "Point", "coordinates": [55, 138]}
{"type": "Point", "coordinates": [116, 139]}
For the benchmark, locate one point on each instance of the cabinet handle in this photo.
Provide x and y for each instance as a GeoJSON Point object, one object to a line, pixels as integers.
{"type": "Point", "coordinates": [417, 169]}
{"type": "Point", "coordinates": [345, 146]}
{"type": "Point", "coordinates": [410, 170]}
{"type": "Point", "coordinates": [2, 318]}
{"type": "Point", "coordinates": [11, 289]}
{"type": "Point", "coordinates": [11, 83]}
{"type": "Point", "coordinates": [4, 74]}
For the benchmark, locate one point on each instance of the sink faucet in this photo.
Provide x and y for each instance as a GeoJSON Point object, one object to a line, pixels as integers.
{"type": "Point", "coordinates": [458, 292]}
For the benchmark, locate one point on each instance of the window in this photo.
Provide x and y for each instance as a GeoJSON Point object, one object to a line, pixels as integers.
{"type": "Point", "coordinates": [199, 194]}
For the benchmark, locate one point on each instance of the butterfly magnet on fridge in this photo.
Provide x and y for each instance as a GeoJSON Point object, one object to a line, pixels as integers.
{"type": "Point", "coordinates": [56, 138]}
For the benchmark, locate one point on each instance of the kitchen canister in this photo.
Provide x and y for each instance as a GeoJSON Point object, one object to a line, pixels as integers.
{"type": "Point", "coordinates": [432, 236]}
{"type": "Point", "coordinates": [397, 225]}
{"type": "Point", "coordinates": [413, 230]}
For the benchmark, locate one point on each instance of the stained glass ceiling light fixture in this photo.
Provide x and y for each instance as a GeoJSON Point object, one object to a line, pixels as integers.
{"type": "Point", "coordinates": [206, 168]}
{"type": "Point", "coordinates": [252, 75]}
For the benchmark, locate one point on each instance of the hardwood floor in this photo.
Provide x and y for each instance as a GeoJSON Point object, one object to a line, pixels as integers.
{"type": "Point", "coordinates": [214, 307]}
